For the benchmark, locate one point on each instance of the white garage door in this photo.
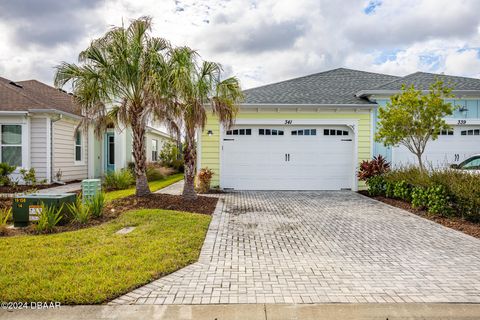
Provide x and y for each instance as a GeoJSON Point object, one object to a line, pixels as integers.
{"type": "Point", "coordinates": [452, 146]}
{"type": "Point", "coordinates": [287, 158]}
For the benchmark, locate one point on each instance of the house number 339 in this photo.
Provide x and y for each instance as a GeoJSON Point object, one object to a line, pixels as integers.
{"type": "Point", "coordinates": [288, 121]}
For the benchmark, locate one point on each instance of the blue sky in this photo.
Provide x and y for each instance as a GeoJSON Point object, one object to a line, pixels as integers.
{"type": "Point", "coordinates": [258, 41]}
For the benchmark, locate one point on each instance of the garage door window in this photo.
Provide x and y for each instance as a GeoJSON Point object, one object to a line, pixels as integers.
{"type": "Point", "coordinates": [446, 133]}
{"type": "Point", "coordinates": [239, 132]}
{"type": "Point", "coordinates": [304, 132]}
{"type": "Point", "coordinates": [471, 132]}
{"type": "Point", "coordinates": [270, 132]}
{"type": "Point", "coordinates": [335, 132]}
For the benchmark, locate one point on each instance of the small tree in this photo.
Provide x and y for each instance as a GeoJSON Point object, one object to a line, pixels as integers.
{"type": "Point", "coordinates": [412, 118]}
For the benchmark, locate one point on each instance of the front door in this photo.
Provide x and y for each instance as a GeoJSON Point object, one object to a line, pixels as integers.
{"type": "Point", "coordinates": [109, 152]}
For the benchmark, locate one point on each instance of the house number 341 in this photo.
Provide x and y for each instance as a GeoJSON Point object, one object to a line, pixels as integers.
{"type": "Point", "coordinates": [288, 121]}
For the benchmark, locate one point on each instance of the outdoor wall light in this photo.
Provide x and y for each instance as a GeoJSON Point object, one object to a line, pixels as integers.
{"type": "Point", "coordinates": [210, 133]}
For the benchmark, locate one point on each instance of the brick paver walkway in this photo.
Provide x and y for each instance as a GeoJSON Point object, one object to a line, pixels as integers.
{"type": "Point", "coordinates": [319, 247]}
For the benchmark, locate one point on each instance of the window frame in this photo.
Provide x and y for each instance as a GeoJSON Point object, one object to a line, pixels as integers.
{"type": "Point", "coordinates": [154, 150]}
{"type": "Point", "coordinates": [13, 145]}
{"type": "Point", "coordinates": [75, 146]}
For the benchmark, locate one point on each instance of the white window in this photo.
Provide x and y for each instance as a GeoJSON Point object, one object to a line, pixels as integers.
{"type": "Point", "coordinates": [154, 150]}
{"type": "Point", "coordinates": [78, 146]}
{"type": "Point", "coordinates": [11, 144]}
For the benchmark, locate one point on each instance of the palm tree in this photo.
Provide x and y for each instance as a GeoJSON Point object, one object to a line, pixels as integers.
{"type": "Point", "coordinates": [120, 80]}
{"type": "Point", "coordinates": [197, 89]}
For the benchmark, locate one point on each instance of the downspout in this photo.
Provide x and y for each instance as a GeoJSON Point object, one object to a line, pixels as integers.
{"type": "Point", "coordinates": [60, 117]}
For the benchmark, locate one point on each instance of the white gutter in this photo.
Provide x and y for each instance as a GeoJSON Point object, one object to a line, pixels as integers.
{"type": "Point", "coordinates": [13, 113]}
{"type": "Point", "coordinates": [75, 116]}
{"type": "Point", "coordinates": [306, 105]}
{"type": "Point", "coordinates": [366, 93]}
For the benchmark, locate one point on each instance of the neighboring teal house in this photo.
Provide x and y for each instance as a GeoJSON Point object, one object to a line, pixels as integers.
{"type": "Point", "coordinates": [452, 146]}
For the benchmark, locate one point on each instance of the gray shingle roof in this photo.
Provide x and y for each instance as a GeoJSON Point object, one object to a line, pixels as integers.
{"type": "Point", "coordinates": [337, 86]}
{"type": "Point", "coordinates": [423, 80]}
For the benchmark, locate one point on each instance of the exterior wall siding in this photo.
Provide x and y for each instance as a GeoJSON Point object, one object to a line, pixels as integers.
{"type": "Point", "coordinates": [148, 139]}
{"type": "Point", "coordinates": [38, 146]}
{"type": "Point", "coordinates": [210, 145]}
{"type": "Point", "coordinates": [63, 157]}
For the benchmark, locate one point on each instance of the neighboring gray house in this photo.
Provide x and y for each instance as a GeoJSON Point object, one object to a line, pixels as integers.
{"type": "Point", "coordinates": [38, 130]}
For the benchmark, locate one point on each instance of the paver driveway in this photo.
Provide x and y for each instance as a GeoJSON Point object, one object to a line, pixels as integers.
{"type": "Point", "coordinates": [306, 247]}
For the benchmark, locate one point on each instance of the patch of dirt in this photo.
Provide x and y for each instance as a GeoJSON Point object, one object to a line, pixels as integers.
{"type": "Point", "coordinates": [113, 209]}
{"type": "Point", "coordinates": [203, 205]}
{"type": "Point", "coordinates": [459, 224]}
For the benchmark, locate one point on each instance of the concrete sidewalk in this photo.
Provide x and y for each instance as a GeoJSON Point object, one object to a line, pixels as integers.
{"type": "Point", "coordinates": [255, 312]}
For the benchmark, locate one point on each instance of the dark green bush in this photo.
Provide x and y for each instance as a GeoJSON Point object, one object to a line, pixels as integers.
{"type": "Point", "coordinates": [376, 185]}
{"type": "Point", "coordinates": [402, 190]}
{"type": "Point", "coordinates": [438, 200]}
{"type": "Point", "coordinates": [419, 197]}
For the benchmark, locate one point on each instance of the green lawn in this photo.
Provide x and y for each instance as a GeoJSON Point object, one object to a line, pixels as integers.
{"type": "Point", "coordinates": [94, 265]}
{"type": "Point", "coordinates": [154, 186]}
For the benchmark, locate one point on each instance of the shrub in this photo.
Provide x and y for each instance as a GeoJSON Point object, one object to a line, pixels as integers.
{"type": "Point", "coordinates": [96, 204]}
{"type": "Point", "coordinates": [29, 176]}
{"type": "Point", "coordinates": [178, 165]}
{"type": "Point", "coordinates": [389, 189]}
{"type": "Point", "coordinates": [5, 171]}
{"type": "Point", "coordinates": [377, 166]}
{"type": "Point", "coordinates": [48, 218]}
{"type": "Point", "coordinates": [419, 197]}
{"type": "Point", "coordinates": [79, 210]}
{"type": "Point", "coordinates": [169, 153]}
{"type": "Point", "coordinates": [438, 200]}
{"type": "Point", "coordinates": [204, 177]}
{"type": "Point", "coordinates": [118, 180]}
{"type": "Point", "coordinates": [376, 185]}
{"type": "Point", "coordinates": [445, 192]}
{"type": "Point", "coordinates": [154, 172]}
{"type": "Point", "coordinates": [402, 190]}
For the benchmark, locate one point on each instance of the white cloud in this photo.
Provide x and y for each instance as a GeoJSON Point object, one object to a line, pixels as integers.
{"type": "Point", "coordinates": [265, 41]}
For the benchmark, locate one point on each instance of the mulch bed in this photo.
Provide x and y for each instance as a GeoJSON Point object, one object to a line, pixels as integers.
{"type": "Point", "coordinates": [24, 188]}
{"type": "Point", "coordinates": [459, 224]}
{"type": "Point", "coordinates": [113, 209]}
{"type": "Point", "coordinates": [203, 205]}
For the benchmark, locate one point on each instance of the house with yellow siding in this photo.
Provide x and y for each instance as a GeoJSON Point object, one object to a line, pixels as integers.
{"type": "Point", "coordinates": [307, 133]}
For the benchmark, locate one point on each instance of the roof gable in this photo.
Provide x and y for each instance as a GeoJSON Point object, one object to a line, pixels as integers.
{"type": "Point", "coordinates": [32, 94]}
{"type": "Point", "coordinates": [423, 80]}
{"type": "Point", "coordinates": [337, 86]}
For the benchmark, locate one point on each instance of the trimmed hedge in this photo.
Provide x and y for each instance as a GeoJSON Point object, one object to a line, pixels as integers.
{"type": "Point", "coordinates": [445, 192]}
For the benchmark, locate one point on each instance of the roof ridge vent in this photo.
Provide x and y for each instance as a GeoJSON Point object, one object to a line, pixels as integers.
{"type": "Point", "coordinates": [15, 84]}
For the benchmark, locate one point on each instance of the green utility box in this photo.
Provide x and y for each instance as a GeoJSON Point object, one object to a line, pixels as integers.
{"type": "Point", "coordinates": [27, 208]}
{"type": "Point", "coordinates": [90, 187]}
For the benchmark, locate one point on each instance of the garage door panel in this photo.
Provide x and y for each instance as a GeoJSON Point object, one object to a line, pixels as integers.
{"type": "Point", "coordinates": [447, 149]}
{"type": "Point", "coordinates": [314, 162]}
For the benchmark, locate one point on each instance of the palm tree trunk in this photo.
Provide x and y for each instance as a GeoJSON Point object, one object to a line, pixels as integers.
{"type": "Point", "coordinates": [139, 154]}
{"type": "Point", "coordinates": [189, 159]}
